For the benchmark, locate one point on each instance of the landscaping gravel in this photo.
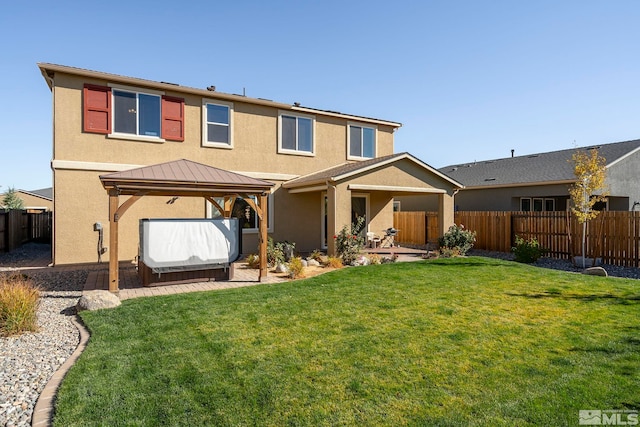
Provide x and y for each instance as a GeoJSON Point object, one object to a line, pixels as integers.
{"type": "Point", "coordinates": [28, 361]}
{"type": "Point", "coordinates": [563, 264]}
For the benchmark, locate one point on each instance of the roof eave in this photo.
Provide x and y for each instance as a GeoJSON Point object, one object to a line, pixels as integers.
{"type": "Point", "coordinates": [518, 184]}
{"type": "Point", "coordinates": [47, 68]}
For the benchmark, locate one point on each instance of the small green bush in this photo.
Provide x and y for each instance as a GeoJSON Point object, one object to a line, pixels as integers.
{"type": "Point", "coordinates": [275, 253]}
{"type": "Point", "coordinates": [19, 300]}
{"type": "Point", "coordinates": [296, 269]}
{"type": "Point", "coordinates": [527, 251]}
{"type": "Point", "coordinates": [449, 252]}
{"type": "Point", "coordinates": [458, 238]}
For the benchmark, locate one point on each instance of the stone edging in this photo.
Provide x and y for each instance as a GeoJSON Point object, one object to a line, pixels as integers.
{"type": "Point", "coordinates": [43, 411]}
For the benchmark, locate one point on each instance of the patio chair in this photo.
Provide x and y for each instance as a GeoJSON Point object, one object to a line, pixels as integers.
{"type": "Point", "coordinates": [373, 240]}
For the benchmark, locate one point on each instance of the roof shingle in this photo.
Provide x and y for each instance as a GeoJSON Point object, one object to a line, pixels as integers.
{"type": "Point", "coordinates": [532, 168]}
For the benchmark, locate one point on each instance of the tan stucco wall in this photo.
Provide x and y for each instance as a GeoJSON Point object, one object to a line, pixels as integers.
{"type": "Point", "coordinates": [401, 174]}
{"type": "Point", "coordinates": [30, 201]}
{"type": "Point", "coordinates": [80, 200]}
{"type": "Point", "coordinates": [254, 147]}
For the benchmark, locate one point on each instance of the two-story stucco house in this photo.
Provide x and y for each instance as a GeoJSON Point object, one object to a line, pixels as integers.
{"type": "Point", "coordinates": [326, 167]}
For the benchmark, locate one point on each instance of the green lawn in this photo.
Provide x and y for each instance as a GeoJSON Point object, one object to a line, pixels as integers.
{"type": "Point", "coordinates": [464, 341]}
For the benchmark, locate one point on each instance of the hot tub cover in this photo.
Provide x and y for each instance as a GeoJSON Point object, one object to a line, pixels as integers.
{"type": "Point", "coordinates": [168, 245]}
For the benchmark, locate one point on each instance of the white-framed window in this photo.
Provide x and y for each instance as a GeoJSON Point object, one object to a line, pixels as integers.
{"type": "Point", "coordinates": [538, 204]}
{"type": "Point", "coordinates": [296, 134]}
{"type": "Point", "coordinates": [396, 206]}
{"type": "Point", "coordinates": [136, 113]}
{"type": "Point", "coordinates": [245, 213]}
{"type": "Point", "coordinates": [549, 205]}
{"type": "Point", "coordinates": [125, 112]}
{"type": "Point", "coordinates": [361, 141]}
{"type": "Point", "coordinates": [217, 124]}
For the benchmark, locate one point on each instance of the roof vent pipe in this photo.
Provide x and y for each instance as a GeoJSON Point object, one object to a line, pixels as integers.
{"type": "Point", "coordinates": [512, 151]}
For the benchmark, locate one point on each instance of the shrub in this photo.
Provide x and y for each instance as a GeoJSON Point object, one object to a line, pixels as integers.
{"type": "Point", "coordinates": [317, 255]}
{"type": "Point", "coordinates": [275, 253]}
{"type": "Point", "coordinates": [334, 262]}
{"type": "Point", "coordinates": [458, 238]}
{"type": "Point", "coordinates": [389, 260]}
{"type": "Point", "coordinates": [19, 300]}
{"type": "Point", "coordinates": [374, 259]}
{"type": "Point", "coordinates": [296, 269]}
{"type": "Point", "coordinates": [527, 251]}
{"type": "Point", "coordinates": [253, 261]}
{"type": "Point", "coordinates": [449, 252]}
{"type": "Point", "coordinates": [349, 243]}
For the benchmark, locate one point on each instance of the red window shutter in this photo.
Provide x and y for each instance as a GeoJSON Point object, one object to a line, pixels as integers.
{"type": "Point", "coordinates": [173, 118]}
{"type": "Point", "coordinates": [97, 109]}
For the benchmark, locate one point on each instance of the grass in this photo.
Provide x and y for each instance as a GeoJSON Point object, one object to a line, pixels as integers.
{"type": "Point", "coordinates": [463, 341]}
{"type": "Point", "coordinates": [19, 299]}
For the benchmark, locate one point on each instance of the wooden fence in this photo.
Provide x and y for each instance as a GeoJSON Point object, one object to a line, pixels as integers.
{"type": "Point", "coordinates": [416, 228]}
{"type": "Point", "coordinates": [614, 236]}
{"type": "Point", "coordinates": [18, 227]}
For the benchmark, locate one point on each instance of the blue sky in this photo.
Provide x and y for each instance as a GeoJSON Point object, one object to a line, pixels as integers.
{"type": "Point", "coordinates": [469, 80]}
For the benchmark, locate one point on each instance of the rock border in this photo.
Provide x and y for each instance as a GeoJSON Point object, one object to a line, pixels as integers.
{"type": "Point", "coordinates": [43, 411]}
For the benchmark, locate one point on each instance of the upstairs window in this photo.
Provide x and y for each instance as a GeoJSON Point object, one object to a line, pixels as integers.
{"type": "Point", "coordinates": [295, 134]}
{"type": "Point", "coordinates": [136, 113]}
{"type": "Point", "coordinates": [123, 112]}
{"type": "Point", "coordinates": [361, 142]}
{"type": "Point", "coordinates": [217, 124]}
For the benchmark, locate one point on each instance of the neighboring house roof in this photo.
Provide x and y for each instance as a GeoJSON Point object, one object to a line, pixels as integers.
{"type": "Point", "coordinates": [345, 170]}
{"type": "Point", "coordinates": [183, 175]}
{"type": "Point", "coordinates": [541, 168]}
{"type": "Point", "coordinates": [49, 70]}
{"type": "Point", "coordinates": [44, 193]}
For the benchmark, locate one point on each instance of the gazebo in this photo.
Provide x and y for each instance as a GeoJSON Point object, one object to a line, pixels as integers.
{"type": "Point", "coordinates": [183, 178]}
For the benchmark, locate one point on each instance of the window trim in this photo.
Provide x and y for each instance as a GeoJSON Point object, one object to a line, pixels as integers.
{"type": "Point", "coordinates": [136, 136]}
{"type": "Point", "coordinates": [375, 140]}
{"type": "Point", "coordinates": [530, 204]}
{"type": "Point", "coordinates": [533, 204]}
{"type": "Point", "coordinates": [281, 150]}
{"type": "Point", "coordinates": [205, 141]}
{"type": "Point", "coordinates": [553, 202]}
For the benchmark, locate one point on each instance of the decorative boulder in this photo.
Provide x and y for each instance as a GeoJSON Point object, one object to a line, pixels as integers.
{"type": "Point", "coordinates": [305, 263]}
{"type": "Point", "coordinates": [281, 268]}
{"type": "Point", "coordinates": [312, 262]}
{"type": "Point", "coordinates": [97, 300]}
{"type": "Point", "coordinates": [596, 271]}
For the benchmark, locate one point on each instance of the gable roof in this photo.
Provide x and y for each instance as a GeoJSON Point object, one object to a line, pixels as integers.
{"type": "Point", "coordinates": [183, 175]}
{"type": "Point", "coordinates": [49, 70]}
{"type": "Point", "coordinates": [345, 170]}
{"type": "Point", "coordinates": [43, 193]}
{"type": "Point", "coordinates": [541, 168]}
